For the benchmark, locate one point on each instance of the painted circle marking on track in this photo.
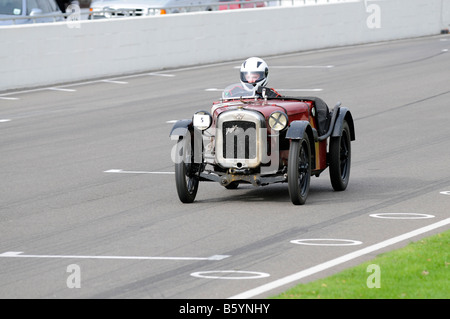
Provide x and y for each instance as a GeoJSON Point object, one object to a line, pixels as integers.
{"type": "Point", "coordinates": [445, 193]}
{"type": "Point", "coordinates": [402, 216]}
{"type": "Point", "coordinates": [326, 242]}
{"type": "Point", "coordinates": [209, 274]}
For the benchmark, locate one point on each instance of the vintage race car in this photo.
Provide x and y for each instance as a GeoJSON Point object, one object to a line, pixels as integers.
{"type": "Point", "coordinates": [249, 138]}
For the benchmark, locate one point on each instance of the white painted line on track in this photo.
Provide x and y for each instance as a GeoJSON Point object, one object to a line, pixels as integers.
{"type": "Point", "coordinates": [171, 121]}
{"type": "Point", "coordinates": [326, 242]}
{"type": "Point", "coordinates": [114, 81]}
{"type": "Point", "coordinates": [18, 254]}
{"type": "Point", "coordinates": [297, 67]}
{"type": "Point", "coordinates": [250, 274]}
{"type": "Point", "coordinates": [337, 261]}
{"type": "Point", "coordinates": [302, 67]}
{"type": "Point", "coordinates": [61, 89]}
{"type": "Point", "coordinates": [299, 90]}
{"type": "Point", "coordinates": [8, 98]}
{"type": "Point", "coordinates": [279, 90]}
{"type": "Point", "coordinates": [161, 74]}
{"type": "Point", "coordinates": [46, 88]}
{"type": "Point", "coordinates": [121, 171]}
{"type": "Point", "coordinates": [4, 120]}
{"type": "Point", "coordinates": [402, 216]}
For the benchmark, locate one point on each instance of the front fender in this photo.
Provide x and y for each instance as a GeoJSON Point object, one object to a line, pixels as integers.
{"type": "Point", "coordinates": [298, 128]}
{"type": "Point", "coordinates": [344, 114]}
{"type": "Point", "coordinates": [180, 128]}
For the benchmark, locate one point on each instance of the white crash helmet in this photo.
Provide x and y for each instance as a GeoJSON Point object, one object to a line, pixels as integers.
{"type": "Point", "coordinates": [254, 71]}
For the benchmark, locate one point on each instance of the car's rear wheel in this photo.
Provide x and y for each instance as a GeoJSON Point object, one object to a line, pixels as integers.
{"type": "Point", "coordinates": [340, 159]}
{"type": "Point", "coordinates": [186, 172]}
{"type": "Point", "coordinates": [299, 170]}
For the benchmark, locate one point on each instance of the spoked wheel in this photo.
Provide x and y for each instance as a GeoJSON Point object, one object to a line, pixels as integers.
{"type": "Point", "coordinates": [186, 172]}
{"type": "Point", "coordinates": [299, 170]}
{"type": "Point", "coordinates": [340, 159]}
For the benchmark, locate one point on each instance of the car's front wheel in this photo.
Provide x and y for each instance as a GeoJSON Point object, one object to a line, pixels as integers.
{"type": "Point", "coordinates": [186, 172]}
{"type": "Point", "coordinates": [299, 170]}
{"type": "Point", "coordinates": [232, 185]}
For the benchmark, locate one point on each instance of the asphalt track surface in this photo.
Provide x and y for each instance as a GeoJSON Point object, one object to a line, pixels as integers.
{"type": "Point", "coordinates": [88, 205]}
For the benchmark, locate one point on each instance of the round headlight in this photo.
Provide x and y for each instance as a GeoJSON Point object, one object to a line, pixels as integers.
{"type": "Point", "coordinates": [278, 121]}
{"type": "Point", "coordinates": [202, 120]}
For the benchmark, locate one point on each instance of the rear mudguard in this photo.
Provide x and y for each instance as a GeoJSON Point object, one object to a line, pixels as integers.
{"type": "Point", "coordinates": [344, 115]}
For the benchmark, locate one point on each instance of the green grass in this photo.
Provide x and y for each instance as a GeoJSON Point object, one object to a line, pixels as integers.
{"type": "Point", "coordinates": [420, 270]}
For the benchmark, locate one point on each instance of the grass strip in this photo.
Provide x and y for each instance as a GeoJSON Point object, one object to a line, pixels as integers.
{"type": "Point", "coordinates": [419, 270]}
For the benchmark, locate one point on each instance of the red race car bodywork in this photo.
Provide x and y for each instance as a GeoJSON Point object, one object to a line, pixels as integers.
{"type": "Point", "coordinates": [252, 139]}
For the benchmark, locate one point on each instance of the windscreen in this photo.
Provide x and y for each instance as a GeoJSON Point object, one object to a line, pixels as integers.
{"type": "Point", "coordinates": [238, 90]}
{"type": "Point", "coordinates": [11, 7]}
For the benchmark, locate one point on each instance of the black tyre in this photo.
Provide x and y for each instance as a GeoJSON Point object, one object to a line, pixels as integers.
{"type": "Point", "coordinates": [340, 159]}
{"type": "Point", "coordinates": [186, 172]}
{"type": "Point", "coordinates": [299, 170]}
{"type": "Point", "coordinates": [232, 185]}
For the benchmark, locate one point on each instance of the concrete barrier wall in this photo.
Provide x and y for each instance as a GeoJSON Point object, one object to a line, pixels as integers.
{"type": "Point", "coordinates": [49, 54]}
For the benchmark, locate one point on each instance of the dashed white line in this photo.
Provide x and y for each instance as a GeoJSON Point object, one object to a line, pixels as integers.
{"type": "Point", "coordinates": [61, 89]}
{"type": "Point", "coordinates": [297, 67]}
{"type": "Point", "coordinates": [8, 98]}
{"type": "Point", "coordinates": [161, 74]}
{"type": "Point", "coordinates": [302, 66]}
{"type": "Point", "coordinates": [402, 216]}
{"type": "Point", "coordinates": [135, 172]}
{"type": "Point", "coordinates": [279, 90]}
{"type": "Point", "coordinates": [224, 274]}
{"type": "Point", "coordinates": [4, 120]}
{"type": "Point", "coordinates": [326, 242]}
{"type": "Point", "coordinates": [19, 254]}
{"type": "Point", "coordinates": [300, 90]}
{"type": "Point", "coordinates": [114, 81]}
{"type": "Point", "coordinates": [334, 262]}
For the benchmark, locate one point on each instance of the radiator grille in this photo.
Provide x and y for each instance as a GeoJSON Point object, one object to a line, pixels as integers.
{"type": "Point", "coordinates": [239, 140]}
{"type": "Point", "coordinates": [127, 12]}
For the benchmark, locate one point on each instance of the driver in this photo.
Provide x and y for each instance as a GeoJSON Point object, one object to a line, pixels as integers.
{"type": "Point", "coordinates": [255, 71]}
